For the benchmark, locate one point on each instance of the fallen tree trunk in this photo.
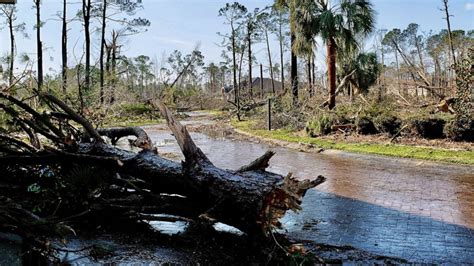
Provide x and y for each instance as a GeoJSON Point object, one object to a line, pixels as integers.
{"type": "Point", "coordinates": [250, 199]}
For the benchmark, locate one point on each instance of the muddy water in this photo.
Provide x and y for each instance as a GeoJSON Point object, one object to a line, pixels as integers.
{"type": "Point", "coordinates": [417, 210]}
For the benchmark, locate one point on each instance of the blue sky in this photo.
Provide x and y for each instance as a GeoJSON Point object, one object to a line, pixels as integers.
{"type": "Point", "coordinates": [181, 24]}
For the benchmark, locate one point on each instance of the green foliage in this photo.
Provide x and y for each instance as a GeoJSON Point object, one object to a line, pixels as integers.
{"type": "Point", "coordinates": [134, 109]}
{"type": "Point", "coordinates": [346, 113]}
{"type": "Point", "coordinates": [367, 70]}
{"type": "Point", "coordinates": [319, 125]}
{"type": "Point", "coordinates": [462, 127]}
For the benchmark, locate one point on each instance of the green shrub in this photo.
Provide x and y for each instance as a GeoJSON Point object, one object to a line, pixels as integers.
{"type": "Point", "coordinates": [319, 125]}
{"type": "Point", "coordinates": [345, 113]}
{"type": "Point", "coordinates": [135, 109]}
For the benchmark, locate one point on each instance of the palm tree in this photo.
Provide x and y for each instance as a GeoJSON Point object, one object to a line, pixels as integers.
{"type": "Point", "coordinates": [340, 26]}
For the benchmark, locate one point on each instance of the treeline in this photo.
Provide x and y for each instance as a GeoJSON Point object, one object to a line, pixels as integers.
{"type": "Point", "coordinates": [403, 61]}
{"type": "Point", "coordinates": [114, 20]}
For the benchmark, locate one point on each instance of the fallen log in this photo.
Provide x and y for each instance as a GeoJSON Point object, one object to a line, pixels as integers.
{"type": "Point", "coordinates": [250, 199]}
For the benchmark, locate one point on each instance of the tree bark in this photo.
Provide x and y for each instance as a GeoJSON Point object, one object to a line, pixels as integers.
{"type": "Point", "coordinates": [331, 62]}
{"type": "Point", "coordinates": [64, 49]}
{"type": "Point", "coordinates": [12, 49]}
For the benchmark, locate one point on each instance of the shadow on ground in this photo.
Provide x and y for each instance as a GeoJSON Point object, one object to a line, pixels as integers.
{"type": "Point", "coordinates": [334, 220]}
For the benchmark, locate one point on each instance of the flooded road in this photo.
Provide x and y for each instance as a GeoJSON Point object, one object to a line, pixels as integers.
{"type": "Point", "coordinates": [415, 210]}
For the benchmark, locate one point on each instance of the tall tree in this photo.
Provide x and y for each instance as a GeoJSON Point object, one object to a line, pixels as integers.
{"type": "Point", "coordinates": [392, 41]}
{"type": "Point", "coordinates": [102, 50]}
{"type": "Point", "coordinates": [266, 24]}
{"type": "Point", "coordinates": [39, 43]}
{"type": "Point", "coordinates": [304, 43]}
{"type": "Point", "coordinates": [253, 35]}
{"type": "Point", "coordinates": [109, 10]}
{"type": "Point", "coordinates": [64, 47]}
{"type": "Point", "coordinates": [292, 6]}
{"type": "Point", "coordinates": [9, 12]}
{"type": "Point", "coordinates": [280, 16]}
{"type": "Point", "coordinates": [143, 64]}
{"type": "Point", "coordinates": [416, 40]}
{"type": "Point", "coordinates": [448, 22]}
{"type": "Point", "coordinates": [233, 14]}
{"type": "Point", "coordinates": [86, 16]}
{"type": "Point", "coordinates": [340, 26]}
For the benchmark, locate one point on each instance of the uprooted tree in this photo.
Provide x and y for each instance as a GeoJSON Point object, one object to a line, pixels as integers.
{"type": "Point", "coordinates": [128, 185]}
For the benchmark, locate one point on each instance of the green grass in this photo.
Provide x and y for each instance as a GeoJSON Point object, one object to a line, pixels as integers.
{"type": "Point", "coordinates": [425, 153]}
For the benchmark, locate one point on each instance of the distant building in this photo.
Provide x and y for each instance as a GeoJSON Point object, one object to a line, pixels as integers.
{"type": "Point", "coordinates": [267, 85]}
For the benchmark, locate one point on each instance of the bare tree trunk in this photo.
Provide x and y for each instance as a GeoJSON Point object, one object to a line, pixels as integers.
{"type": "Point", "coordinates": [420, 57]}
{"type": "Point", "coordinates": [12, 50]}
{"type": "Point", "coordinates": [310, 80]}
{"type": "Point", "coordinates": [86, 9]}
{"type": "Point", "coordinates": [382, 70]}
{"type": "Point", "coordinates": [313, 71]}
{"type": "Point", "coordinates": [249, 43]}
{"type": "Point", "coordinates": [294, 72]}
{"type": "Point", "coordinates": [114, 66]}
{"type": "Point", "coordinates": [398, 72]}
{"type": "Point", "coordinates": [450, 37]}
{"type": "Point", "coordinates": [261, 80]}
{"type": "Point", "coordinates": [270, 61]}
{"type": "Point", "coordinates": [282, 66]}
{"type": "Point", "coordinates": [102, 46]}
{"type": "Point", "coordinates": [331, 61]}
{"type": "Point", "coordinates": [241, 60]}
{"type": "Point", "coordinates": [234, 72]}
{"type": "Point", "coordinates": [39, 44]}
{"type": "Point", "coordinates": [64, 48]}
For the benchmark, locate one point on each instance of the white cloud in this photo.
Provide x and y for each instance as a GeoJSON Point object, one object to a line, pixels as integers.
{"type": "Point", "coordinates": [469, 6]}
